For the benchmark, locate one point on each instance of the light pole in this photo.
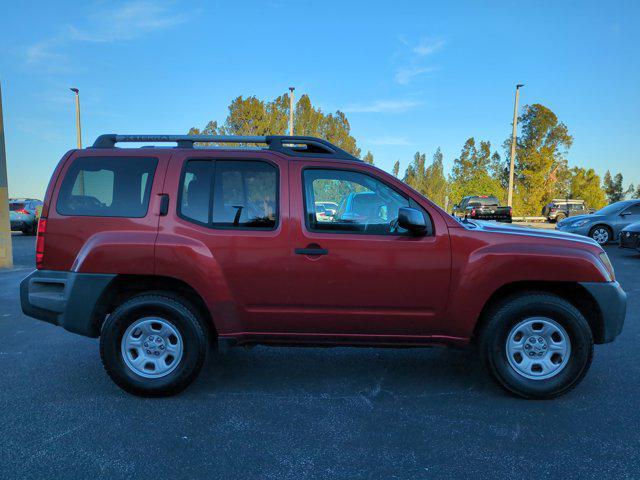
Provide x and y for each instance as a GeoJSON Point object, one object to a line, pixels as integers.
{"type": "Point", "coordinates": [78, 126]}
{"type": "Point", "coordinates": [6, 254]}
{"type": "Point", "coordinates": [513, 146]}
{"type": "Point", "coordinates": [291, 89]}
{"type": "Point", "coordinates": [79, 136]}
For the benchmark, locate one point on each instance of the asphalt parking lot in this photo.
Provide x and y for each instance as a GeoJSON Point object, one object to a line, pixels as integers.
{"type": "Point", "coordinates": [298, 413]}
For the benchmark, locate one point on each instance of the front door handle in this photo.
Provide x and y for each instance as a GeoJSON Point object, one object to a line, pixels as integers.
{"type": "Point", "coordinates": [311, 251]}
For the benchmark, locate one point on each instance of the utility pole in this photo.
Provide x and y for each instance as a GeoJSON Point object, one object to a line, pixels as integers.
{"type": "Point", "coordinates": [6, 252]}
{"type": "Point", "coordinates": [513, 146]}
{"type": "Point", "coordinates": [291, 89]}
{"type": "Point", "coordinates": [79, 136]}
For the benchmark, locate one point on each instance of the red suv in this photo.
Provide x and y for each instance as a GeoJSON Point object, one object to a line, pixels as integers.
{"type": "Point", "coordinates": [161, 252]}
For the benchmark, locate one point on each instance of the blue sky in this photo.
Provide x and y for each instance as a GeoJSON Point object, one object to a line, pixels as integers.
{"type": "Point", "coordinates": [410, 75]}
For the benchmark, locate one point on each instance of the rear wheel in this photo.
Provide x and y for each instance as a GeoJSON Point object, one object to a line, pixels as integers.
{"type": "Point", "coordinates": [560, 217]}
{"type": "Point", "coordinates": [536, 345]}
{"type": "Point", "coordinates": [153, 345]}
{"type": "Point", "coordinates": [601, 234]}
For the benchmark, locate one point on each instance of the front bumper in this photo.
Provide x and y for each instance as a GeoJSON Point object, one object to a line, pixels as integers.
{"type": "Point", "coordinates": [67, 299]}
{"type": "Point", "coordinates": [612, 302]}
{"type": "Point", "coordinates": [630, 241]}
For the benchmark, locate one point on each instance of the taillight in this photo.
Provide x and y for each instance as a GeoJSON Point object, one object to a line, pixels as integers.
{"type": "Point", "coordinates": [22, 211]}
{"type": "Point", "coordinates": [42, 226]}
{"type": "Point", "coordinates": [552, 210]}
{"type": "Point", "coordinates": [473, 212]}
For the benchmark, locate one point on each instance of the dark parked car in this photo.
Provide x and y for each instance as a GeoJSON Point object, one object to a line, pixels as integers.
{"type": "Point", "coordinates": [559, 209]}
{"type": "Point", "coordinates": [630, 236]}
{"type": "Point", "coordinates": [164, 251]}
{"type": "Point", "coordinates": [605, 224]}
{"type": "Point", "coordinates": [482, 207]}
{"type": "Point", "coordinates": [23, 215]}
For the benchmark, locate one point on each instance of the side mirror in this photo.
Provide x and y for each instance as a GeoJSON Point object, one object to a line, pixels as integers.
{"type": "Point", "coordinates": [413, 220]}
{"type": "Point", "coordinates": [456, 206]}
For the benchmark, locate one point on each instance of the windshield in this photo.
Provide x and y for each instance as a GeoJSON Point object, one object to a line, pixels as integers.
{"type": "Point", "coordinates": [613, 208]}
{"type": "Point", "coordinates": [15, 206]}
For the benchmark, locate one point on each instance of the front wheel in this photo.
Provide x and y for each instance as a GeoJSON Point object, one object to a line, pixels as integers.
{"type": "Point", "coordinates": [536, 345]}
{"type": "Point", "coordinates": [153, 345]}
{"type": "Point", "coordinates": [601, 234]}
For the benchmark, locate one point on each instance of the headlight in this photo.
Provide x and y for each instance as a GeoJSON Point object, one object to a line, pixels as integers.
{"type": "Point", "coordinates": [607, 264]}
{"type": "Point", "coordinates": [580, 223]}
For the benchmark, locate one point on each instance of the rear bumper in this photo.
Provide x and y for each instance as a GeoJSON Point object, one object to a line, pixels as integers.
{"type": "Point", "coordinates": [66, 299]}
{"type": "Point", "coordinates": [495, 218]}
{"type": "Point", "coordinates": [612, 301]}
{"type": "Point", "coordinates": [18, 225]}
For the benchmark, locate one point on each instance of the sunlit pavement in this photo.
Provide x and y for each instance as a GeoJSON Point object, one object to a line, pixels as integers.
{"type": "Point", "coordinates": [297, 413]}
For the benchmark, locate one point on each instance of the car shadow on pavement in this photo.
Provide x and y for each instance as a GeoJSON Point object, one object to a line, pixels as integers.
{"type": "Point", "coordinates": [343, 371]}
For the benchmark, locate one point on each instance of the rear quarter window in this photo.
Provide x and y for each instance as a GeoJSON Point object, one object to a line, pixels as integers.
{"type": "Point", "coordinates": [107, 187]}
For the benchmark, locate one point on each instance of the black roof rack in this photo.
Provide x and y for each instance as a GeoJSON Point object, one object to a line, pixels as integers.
{"type": "Point", "coordinates": [292, 145]}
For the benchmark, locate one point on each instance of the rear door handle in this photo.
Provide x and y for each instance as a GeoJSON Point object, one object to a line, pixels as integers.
{"type": "Point", "coordinates": [311, 251]}
{"type": "Point", "coordinates": [164, 204]}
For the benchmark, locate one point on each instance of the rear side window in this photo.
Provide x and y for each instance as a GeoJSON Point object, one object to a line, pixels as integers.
{"type": "Point", "coordinates": [230, 194]}
{"type": "Point", "coordinates": [107, 187]}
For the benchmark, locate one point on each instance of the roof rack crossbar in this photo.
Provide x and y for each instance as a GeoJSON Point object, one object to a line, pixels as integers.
{"type": "Point", "coordinates": [292, 145]}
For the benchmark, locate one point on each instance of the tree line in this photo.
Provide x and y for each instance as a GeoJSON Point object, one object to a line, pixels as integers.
{"type": "Point", "coordinates": [541, 168]}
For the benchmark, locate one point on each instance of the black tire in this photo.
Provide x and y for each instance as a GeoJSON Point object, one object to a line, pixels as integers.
{"type": "Point", "coordinates": [560, 217]}
{"type": "Point", "coordinates": [595, 228]}
{"type": "Point", "coordinates": [506, 315]}
{"type": "Point", "coordinates": [182, 316]}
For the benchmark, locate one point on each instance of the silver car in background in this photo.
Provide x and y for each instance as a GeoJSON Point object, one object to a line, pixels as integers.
{"type": "Point", "coordinates": [605, 224]}
{"type": "Point", "coordinates": [24, 214]}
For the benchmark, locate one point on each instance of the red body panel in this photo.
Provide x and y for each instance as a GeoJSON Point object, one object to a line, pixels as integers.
{"type": "Point", "coordinates": [242, 275]}
{"type": "Point", "coordinates": [369, 289]}
{"type": "Point", "coordinates": [104, 244]}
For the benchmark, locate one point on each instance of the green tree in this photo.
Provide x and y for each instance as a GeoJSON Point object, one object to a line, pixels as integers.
{"type": "Point", "coordinates": [613, 187]}
{"type": "Point", "coordinates": [541, 166]}
{"type": "Point", "coordinates": [631, 190]}
{"type": "Point", "coordinates": [368, 158]}
{"type": "Point", "coordinates": [499, 170]}
{"type": "Point", "coordinates": [415, 174]}
{"type": "Point", "coordinates": [636, 194]}
{"type": "Point", "coordinates": [470, 174]}
{"type": "Point", "coordinates": [585, 185]}
{"type": "Point", "coordinates": [427, 179]}
{"type": "Point", "coordinates": [252, 116]}
{"type": "Point", "coordinates": [396, 168]}
{"type": "Point", "coordinates": [435, 184]}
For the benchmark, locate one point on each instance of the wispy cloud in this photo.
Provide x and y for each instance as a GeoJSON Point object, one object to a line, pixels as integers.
{"type": "Point", "coordinates": [45, 55]}
{"type": "Point", "coordinates": [382, 106]}
{"type": "Point", "coordinates": [405, 75]}
{"type": "Point", "coordinates": [414, 58]}
{"type": "Point", "coordinates": [129, 21]}
{"type": "Point", "coordinates": [110, 24]}
{"type": "Point", "coordinates": [390, 141]}
{"type": "Point", "coordinates": [427, 46]}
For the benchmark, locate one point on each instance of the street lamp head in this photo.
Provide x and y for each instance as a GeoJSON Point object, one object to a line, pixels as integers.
{"type": "Point", "coordinates": [75, 90]}
{"type": "Point", "coordinates": [292, 88]}
{"type": "Point", "coordinates": [520, 85]}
